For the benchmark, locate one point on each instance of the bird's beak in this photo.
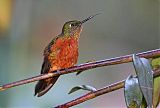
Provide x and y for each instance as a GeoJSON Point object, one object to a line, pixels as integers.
{"type": "Point", "coordinates": [90, 17]}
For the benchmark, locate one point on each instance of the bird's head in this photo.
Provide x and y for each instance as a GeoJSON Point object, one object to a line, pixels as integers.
{"type": "Point", "coordinates": [74, 28]}
{"type": "Point", "coordinates": [71, 28]}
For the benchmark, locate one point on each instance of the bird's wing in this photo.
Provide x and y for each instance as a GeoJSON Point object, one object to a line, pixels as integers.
{"type": "Point", "coordinates": [47, 51]}
{"type": "Point", "coordinates": [45, 66]}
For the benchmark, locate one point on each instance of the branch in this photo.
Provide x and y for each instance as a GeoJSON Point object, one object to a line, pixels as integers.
{"type": "Point", "coordinates": [99, 92]}
{"type": "Point", "coordinates": [82, 67]}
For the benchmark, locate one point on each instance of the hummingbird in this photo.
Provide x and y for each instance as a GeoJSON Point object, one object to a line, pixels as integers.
{"type": "Point", "coordinates": [60, 53]}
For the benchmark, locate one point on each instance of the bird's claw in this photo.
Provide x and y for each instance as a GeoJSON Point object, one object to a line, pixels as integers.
{"type": "Point", "coordinates": [58, 72]}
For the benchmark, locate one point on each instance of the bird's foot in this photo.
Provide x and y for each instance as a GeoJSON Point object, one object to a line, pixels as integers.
{"type": "Point", "coordinates": [66, 69]}
{"type": "Point", "coordinates": [58, 72]}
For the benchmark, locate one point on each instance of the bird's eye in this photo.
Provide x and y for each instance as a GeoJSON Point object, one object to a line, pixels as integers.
{"type": "Point", "coordinates": [72, 24]}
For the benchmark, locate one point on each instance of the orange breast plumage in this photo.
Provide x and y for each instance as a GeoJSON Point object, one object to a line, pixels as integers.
{"type": "Point", "coordinates": [64, 53]}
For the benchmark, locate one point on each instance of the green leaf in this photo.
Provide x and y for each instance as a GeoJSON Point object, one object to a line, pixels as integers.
{"type": "Point", "coordinates": [82, 87]}
{"type": "Point", "coordinates": [145, 77]}
{"type": "Point", "coordinates": [144, 104]}
{"type": "Point", "coordinates": [156, 93]}
{"type": "Point", "coordinates": [132, 92]}
{"type": "Point", "coordinates": [155, 63]}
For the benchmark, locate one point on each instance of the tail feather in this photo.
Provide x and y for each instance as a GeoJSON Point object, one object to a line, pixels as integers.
{"type": "Point", "coordinates": [43, 86]}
